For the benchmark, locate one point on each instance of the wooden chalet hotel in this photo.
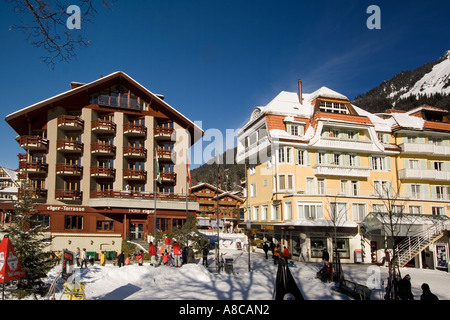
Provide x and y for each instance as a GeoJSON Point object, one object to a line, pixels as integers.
{"type": "Point", "coordinates": [89, 157]}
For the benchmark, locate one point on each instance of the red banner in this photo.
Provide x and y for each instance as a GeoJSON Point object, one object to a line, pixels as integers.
{"type": "Point", "coordinates": [10, 267]}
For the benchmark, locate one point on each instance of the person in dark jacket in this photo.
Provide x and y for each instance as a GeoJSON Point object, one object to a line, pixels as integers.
{"type": "Point", "coordinates": [120, 259]}
{"type": "Point", "coordinates": [266, 248]}
{"type": "Point", "coordinates": [404, 288]}
{"type": "Point", "coordinates": [325, 256]}
{"type": "Point", "coordinates": [427, 295]}
{"type": "Point", "coordinates": [205, 256]}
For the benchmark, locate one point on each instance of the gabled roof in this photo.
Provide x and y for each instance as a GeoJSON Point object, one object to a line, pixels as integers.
{"type": "Point", "coordinates": [78, 97]}
{"type": "Point", "coordinates": [206, 185]}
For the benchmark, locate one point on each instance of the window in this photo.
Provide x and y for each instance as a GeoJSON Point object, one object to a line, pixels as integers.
{"type": "Point", "coordinates": [281, 182]}
{"type": "Point", "coordinates": [275, 211]}
{"type": "Point", "coordinates": [252, 169]}
{"type": "Point", "coordinates": [415, 209]}
{"type": "Point", "coordinates": [338, 211]}
{"type": "Point", "coordinates": [73, 222]}
{"type": "Point", "coordinates": [309, 211]}
{"type": "Point", "coordinates": [253, 189]}
{"type": "Point", "coordinates": [290, 182]}
{"type": "Point", "coordinates": [415, 191]}
{"type": "Point", "coordinates": [378, 207]}
{"type": "Point", "coordinates": [344, 188]}
{"type": "Point", "coordinates": [337, 158]}
{"type": "Point", "coordinates": [105, 225]}
{"type": "Point", "coordinates": [317, 246]}
{"type": "Point", "coordinates": [281, 155]}
{"type": "Point", "coordinates": [288, 155]}
{"type": "Point", "coordinates": [310, 185]}
{"type": "Point", "coordinates": [256, 213]}
{"type": "Point", "coordinates": [334, 107]}
{"type": "Point", "coordinates": [321, 186]}
{"type": "Point", "coordinates": [438, 165]}
{"type": "Point", "coordinates": [440, 192]}
{"type": "Point", "coordinates": [352, 160]}
{"type": "Point", "coordinates": [378, 163]}
{"type": "Point", "coordinates": [355, 188]}
{"type": "Point", "coordinates": [288, 211]}
{"type": "Point", "coordinates": [342, 246]}
{"type": "Point", "coordinates": [382, 188]}
{"type": "Point", "coordinates": [264, 212]}
{"type": "Point", "coordinates": [301, 157]}
{"type": "Point", "coordinates": [437, 211]}
{"type": "Point", "coordinates": [322, 158]}
{"type": "Point", "coordinates": [414, 164]}
{"type": "Point", "coordinates": [359, 211]}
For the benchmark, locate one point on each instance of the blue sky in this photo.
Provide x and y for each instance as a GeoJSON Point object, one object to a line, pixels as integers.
{"type": "Point", "coordinates": [216, 60]}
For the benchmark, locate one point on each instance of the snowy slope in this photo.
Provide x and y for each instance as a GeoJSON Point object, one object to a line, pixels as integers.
{"type": "Point", "coordinates": [436, 81]}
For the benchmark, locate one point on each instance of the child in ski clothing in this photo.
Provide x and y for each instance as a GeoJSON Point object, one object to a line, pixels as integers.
{"type": "Point", "coordinates": [127, 261]}
{"type": "Point", "coordinates": [152, 254]}
{"type": "Point", "coordinates": [140, 257]}
{"type": "Point", "coordinates": [120, 259]}
{"type": "Point", "coordinates": [404, 288]}
{"type": "Point", "coordinates": [276, 255]}
{"type": "Point", "coordinates": [103, 258]}
{"type": "Point", "coordinates": [166, 258]}
{"type": "Point", "coordinates": [177, 254]}
{"type": "Point", "coordinates": [286, 254]}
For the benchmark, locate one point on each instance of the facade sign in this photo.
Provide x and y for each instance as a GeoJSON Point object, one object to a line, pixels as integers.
{"type": "Point", "coordinates": [67, 264]}
{"type": "Point", "coordinates": [441, 256]}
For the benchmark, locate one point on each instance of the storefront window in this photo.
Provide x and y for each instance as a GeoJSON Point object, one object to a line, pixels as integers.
{"type": "Point", "coordinates": [105, 225]}
{"type": "Point", "coordinates": [73, 222]}
{"type": "Point", "coordinates": [317, 246]}
{"type": "Point", "coordinates": [343, 248]}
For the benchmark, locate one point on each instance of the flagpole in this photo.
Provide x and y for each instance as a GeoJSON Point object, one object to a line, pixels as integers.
{"type": "Point", "coordinates": [154, 190]}
{"type": "Point", "coordinates": [217, 217]}
{"type": "Point", "coordinates": [187, 224]}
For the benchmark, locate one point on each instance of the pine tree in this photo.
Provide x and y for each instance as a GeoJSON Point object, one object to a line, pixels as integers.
{"type": "Point", "coordinates": [29, 238]}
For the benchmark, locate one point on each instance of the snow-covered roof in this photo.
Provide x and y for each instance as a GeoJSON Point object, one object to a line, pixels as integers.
{"type": "Point", "coordinates": [325, 92]}
{"type": "Point", "coordinates": [407, 121]}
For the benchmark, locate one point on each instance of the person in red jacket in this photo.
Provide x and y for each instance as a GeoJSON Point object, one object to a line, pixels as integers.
{"type": "Point", "coordinates": [286, 254]}
{"type": "Point", "coordinates": [152, 254]}
{"type": "Point", "coordinates": [177, 254]}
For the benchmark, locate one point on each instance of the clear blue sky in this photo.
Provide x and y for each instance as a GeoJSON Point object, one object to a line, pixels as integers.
{"type": "Point", "coordinates": [215, 60]}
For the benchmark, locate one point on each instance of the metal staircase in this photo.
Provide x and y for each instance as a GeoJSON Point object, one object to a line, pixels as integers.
{"type": "Point", "coordinates": [412, 245]}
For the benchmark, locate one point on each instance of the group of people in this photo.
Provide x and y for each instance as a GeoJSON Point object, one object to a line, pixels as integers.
{"type": "Point", "coordinates": [403, 287]}
{"type": "Point", "coordinates": [276, 252]}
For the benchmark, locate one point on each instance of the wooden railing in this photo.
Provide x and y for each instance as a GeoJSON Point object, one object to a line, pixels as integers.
{"type": "Point", "coordinates": [103, 124]}
{"type": "Point", "coordinates": [101, 147]}
{"type": "Point", "coordinates": [72, 121]}
{"type": "Point", "coordinates": [32, 141]}
{"type": "Point", "coordinates": [33, 166]}
{"type": "Point", "coordinates": [69, 145]}
{"type": "Point", "coordinates": [69, 168]}
{"type": "Point", "coordinates": [137, 128]}
{"type": "Point", "coordinates": [141, 151]}
{"type": "Point", "coordinates": [33, 193]}
{"type": "Point", "coordinates": [100, 171]}
{"type": "Point", "coordinates": [140, 195]}
{"type": "Point", "coordinates": [163, 132]}
{"type": "Point", "coordinates": [136, 174]}
{"type": "Point", "coordinates": [68, 194]}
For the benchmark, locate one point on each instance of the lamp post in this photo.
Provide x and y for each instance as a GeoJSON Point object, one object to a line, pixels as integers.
{"type": "Point", "coordinates": [249, 226]}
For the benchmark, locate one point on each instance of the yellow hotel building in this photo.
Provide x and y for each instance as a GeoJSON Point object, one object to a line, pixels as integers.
{"type": "Point", "coordinates": [319, 168]}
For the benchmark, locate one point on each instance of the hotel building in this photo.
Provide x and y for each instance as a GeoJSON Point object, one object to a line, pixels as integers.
{"type": "Point", "coordinates": [319, 168]}
{"type": "Point", "coordinates": [89, 162]}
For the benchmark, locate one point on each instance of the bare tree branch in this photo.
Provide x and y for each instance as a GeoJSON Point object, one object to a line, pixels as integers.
{"type": "Point", "coordinates": [45, 26]}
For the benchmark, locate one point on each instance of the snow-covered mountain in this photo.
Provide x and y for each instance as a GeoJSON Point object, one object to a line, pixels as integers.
{"type": "Point", "coordinates": [428, 84]}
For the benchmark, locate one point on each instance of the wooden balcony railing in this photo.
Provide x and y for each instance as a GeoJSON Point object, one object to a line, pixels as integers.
{"type": "Point", "coordinates": [33, 167]}
{"type": "Point", "coordinates": [103, 148]}
{"type": "Point", "coordinates": [68, 194]}
{"type": "Point", "coordinates": [32, 142]}
{"type": "Point", "coordinates": [135, 151]}
{"type": "Point", "coordinates": [137, 129]}
{"type": "Point", "coordinates": [71, 169]}
{"type": "Point", "coordinates": [103, 125]}
{"type": "Point", "coordinates": [33, 193]}
{"type": "Point", "coordinates": [161, 132]}
{"type": "Point", "coordinates": [67, 121]}
{"type": "Point", "coordinates": [140, 195]}
{"type": "Point", "coordinates": [103, 172]}
{"type": "Point", "coordinates": [69, 145]}
{"type": "Point", "coordinates": [168, 176]}
{"type": "Point", "coordinates": [134, 174]}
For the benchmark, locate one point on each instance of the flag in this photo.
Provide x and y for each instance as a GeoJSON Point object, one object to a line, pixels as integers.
{"type": "Point", "coordinates": [157, 172]}
{"type": "Point", "coordinates": [10, 267]}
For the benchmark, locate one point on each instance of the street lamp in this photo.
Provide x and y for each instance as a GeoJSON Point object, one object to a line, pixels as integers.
{"type": "Point", "coordinates": [249, 226]}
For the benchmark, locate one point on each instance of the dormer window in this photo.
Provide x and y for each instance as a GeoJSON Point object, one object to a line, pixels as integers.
{"type": "Point", "coordinates": [333, 107]}
{"type": "Point", "coordinates": [295, 129]}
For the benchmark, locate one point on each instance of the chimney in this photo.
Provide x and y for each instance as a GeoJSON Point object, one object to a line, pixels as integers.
{"type": "Point", "coordinates": [300, 93]}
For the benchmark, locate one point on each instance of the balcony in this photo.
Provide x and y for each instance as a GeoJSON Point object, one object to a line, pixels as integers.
{"type": "Point", "coordinates": [344, 171]}
{"type": "Point", "coordinates": [345, 144]}
{"type": "Point", "coordinates": [168, 177]}
{"type": "Point", "coordinates": [35, 194]}
{"type": "Point", "coordinates": [69, 146]}
{"type": "Point", "coordinates": [425, 148]}
{"type": "Point", "coordinates": [135, 130]}
{"type": "Point", "coordinates": [33, 143]}
{"type": "Point", "coordinates": [70, 123]}
{"type": "Point", "coordinates": [69, 170]}
{"type": "Point", "coordinates": [102, 172]}
{"type": "Point", "coordinates": [140, 195]}
{"type": "Point", "coordinates": [161, 133]}
{"type": "Point", "coordinates": [33, 167]}
{"type": "Point", "coordinates": [424, 174]}
{"type": "Point", "coordinates": [68, 195]}
{"type": "Point", "coordinates": [166, 155]}
{"type": "Point", "coordinates": [135, 152]}
{"type": "Point", "coordinates": [103, 126]}
{"type": "Point", "coordinates": [132, 174]}
{"type": "Point", "coordinates": [103, 149]}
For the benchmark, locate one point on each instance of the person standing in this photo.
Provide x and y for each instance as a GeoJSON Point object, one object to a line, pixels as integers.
{"type": "Point", "coordinates": [205, 256]}
{"type": "Point", "coordinates": [120, 259]}
{"type": "Point", "coordinates": [286, 254]}
{"type": "Point", "coordinates": [404, 288]}
{"type": "Point", "coordinates": [103, 259]}
{"type": "Point", "coordinates": [152, 254]}
{"type": "Point", "coordinates": [84, 258]}
{"type": "Point", "coordinates": [325, 256]}
{"type": "Point", "coordinates": [177, 254]}
{"type": "Point", "coordinates": [276, 254]}
{"type": "Point", "coordinates": [427, 295]}
{"type": "Point", "coordinates": [266, 249]}
{"type": "Point", "coordinates": [77, 256]}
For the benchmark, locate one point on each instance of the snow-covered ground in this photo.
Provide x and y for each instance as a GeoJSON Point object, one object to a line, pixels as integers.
{"type": "Point", "coordinates": [195, 282]}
